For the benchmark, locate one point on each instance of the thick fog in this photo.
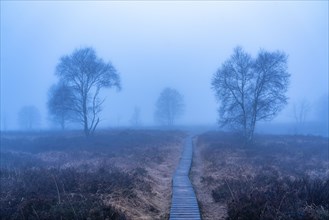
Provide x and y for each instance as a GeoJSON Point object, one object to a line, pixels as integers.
{"type": "Point", "coordinates": [154, 45]}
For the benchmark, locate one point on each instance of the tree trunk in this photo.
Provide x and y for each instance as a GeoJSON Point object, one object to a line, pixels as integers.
{"type": "Point", "coordinates": [62, 123]}
{"type": "Point", "coordinates": [94, 127]}
{"type": "Point", "coordinates": [85, 116]}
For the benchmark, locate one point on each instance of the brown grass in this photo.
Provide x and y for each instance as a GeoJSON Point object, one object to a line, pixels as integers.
{"type": "Point", "coordinates": [221, 165]}
{"type": "Point", "coordinates": [146, 159]}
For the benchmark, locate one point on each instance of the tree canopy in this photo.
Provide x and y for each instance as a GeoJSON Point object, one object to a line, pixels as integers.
{"type": "Point", "coordinates": [85, 75]}
{"type": "Point", "coordinates": [60, 104]}
{"type": "Point", "coordinates": [169, 106]}
{"type": "Point", "coordinates": [250, 90]}
{"type": "Point", "coordinates": [29, 117]}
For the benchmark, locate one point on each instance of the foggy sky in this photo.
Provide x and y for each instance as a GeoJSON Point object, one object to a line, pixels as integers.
{"type": "Point", "coordinates": [155, 45]}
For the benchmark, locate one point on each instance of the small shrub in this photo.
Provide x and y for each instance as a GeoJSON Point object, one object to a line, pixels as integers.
{"type": "Point", "coordinates": [270, 197]}
{"type": "Point", "coordinates": [62, 194]}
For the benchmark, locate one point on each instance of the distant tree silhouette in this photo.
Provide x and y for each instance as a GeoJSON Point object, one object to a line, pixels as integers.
{"type": "Point", "coordinates": [29, 117]}
{"type": "Point", "coordinates": [59, 104]}
{"type": "Point", "coordinates": [250, 90]}
{"type": "Point", "coordinates": [321, 111]}
{"type": "Point", "coordinates": [169, 106]}
{"type": "Point", "coordinates": [300, 112]}
{"type": "Point", "coordinates": [135, 119]}
{"type": "Point", "coordinates": [322, 108]}
{"type": "Point", "coordinates": [86, 74]}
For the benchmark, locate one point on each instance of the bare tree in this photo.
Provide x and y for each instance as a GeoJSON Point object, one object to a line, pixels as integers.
{"type": "Point", "coordinates": [322, 108]}
{"type": "Point", "coordinates": [135, 118]}
{"type": "Point", "coordinates": [86, 75]}
{"type": "Point", "coordinates": [59, 104]}
{"type": "Point", "coordinates": [250, 90]}
{"type": "Point", "coordinates": [321, 112]}
{"type": "Point", "coordinates": [300, 112]}
{"type": "Point", "coordinates": [169, 106]}
{"type": "Point", "coordinates": [29, 117]}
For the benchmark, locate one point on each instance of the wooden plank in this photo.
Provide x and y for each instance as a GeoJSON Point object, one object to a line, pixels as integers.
{"type": "Point", "coordinates": [184, 204]}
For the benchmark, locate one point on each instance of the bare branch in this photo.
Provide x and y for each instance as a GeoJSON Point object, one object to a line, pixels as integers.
{"type": "Point", "coordinates": [250, 90]}
{"type": "Point", "coordinates": [85, 74]}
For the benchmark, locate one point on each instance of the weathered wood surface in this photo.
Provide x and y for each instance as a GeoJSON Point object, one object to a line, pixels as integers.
{"type": "Point", "coordinates": [184, 204]}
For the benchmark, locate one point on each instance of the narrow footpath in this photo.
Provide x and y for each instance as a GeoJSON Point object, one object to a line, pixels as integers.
{"type": "Point", "coordinates": [184, 204]}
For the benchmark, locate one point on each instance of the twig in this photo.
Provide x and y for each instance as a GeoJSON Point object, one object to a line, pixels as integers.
{"type": "Point", "coordinates": [58, 195]}
{"type": "Point", "coordinates": [229, 188]}
{"type": "Point", "coordinates": [283, 197]}
{"type": "Point", "coordinates": [22, 213]}
{"type": "Point", "coordinates": [35, 212]}
{"type": "Point", "coordinates": [68, 199]}
{"type": "Point", "coordinates": [263, 210]}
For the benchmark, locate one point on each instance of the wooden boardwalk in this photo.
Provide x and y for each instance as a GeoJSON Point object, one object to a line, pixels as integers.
{"type": "Point", "coordinates": [184, 204]}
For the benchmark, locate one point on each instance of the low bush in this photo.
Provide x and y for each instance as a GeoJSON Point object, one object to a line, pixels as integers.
{"type": "Point", "coordinates": [272, 197]}
{"type": "Point", "coordinates": [64, 175]}
{"type": "Point", "coordinates": [63, 194]}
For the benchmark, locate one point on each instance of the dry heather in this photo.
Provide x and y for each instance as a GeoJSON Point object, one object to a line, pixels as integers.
{"type": "Point", "coordinates": [279, 177]}
{"type": "Point", "coordinates": [114, 175]}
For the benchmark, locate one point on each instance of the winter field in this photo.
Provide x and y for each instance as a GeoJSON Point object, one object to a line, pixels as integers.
{"type": "Point", "coordinates": [126, 174]}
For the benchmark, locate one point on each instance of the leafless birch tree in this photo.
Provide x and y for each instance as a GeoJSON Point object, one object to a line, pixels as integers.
{"type": "Point", "coordinates": [86, 75]}
{"type": "Point", "coordinates": [250, 90]}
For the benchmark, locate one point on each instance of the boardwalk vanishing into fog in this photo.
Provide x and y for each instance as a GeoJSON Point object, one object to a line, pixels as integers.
{"type": "Point", "coordinates": [184, 204]}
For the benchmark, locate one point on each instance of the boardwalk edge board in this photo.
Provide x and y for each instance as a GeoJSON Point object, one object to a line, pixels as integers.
{"type": "Point", "coordinates": [184, 204]}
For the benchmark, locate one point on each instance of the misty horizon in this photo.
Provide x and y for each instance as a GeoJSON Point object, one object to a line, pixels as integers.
{"type": "Point", "coordinates": [154, 45]}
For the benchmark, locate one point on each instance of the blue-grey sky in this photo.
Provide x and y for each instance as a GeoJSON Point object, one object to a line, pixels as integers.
{"type": "Point", "coordinates": [157, 44]}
